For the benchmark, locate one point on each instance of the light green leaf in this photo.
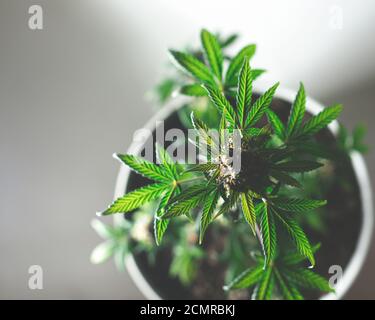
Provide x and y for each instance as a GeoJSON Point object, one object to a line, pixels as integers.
{"type": "Point", "coordinates": [222, 104]}
{"type": "Point", "coordinates": [297, 112]}
{"type": "Point", "coordinates": [260, 106]}
{"type": "Point", "coordinates": [160, 225]}
{"type": "Point", "coordinates": [244, 92]}
{"type": "Point", "coordinates": [248, 210]}
{"type": "Point", "coordinates": [193, 66]}
{"type": "Point", "coordinates": [145, 168]}
{"type": "Point", "coordinates": [210, 203]}
{"type": "Point", "coordinates": [236, 63]}
{"type": "Point", "coordinates": [136, 199]}
{"type": "Point", "coordinates": [268, 231]}
{"type": "Point", "coordinates": [193, 90]}
{"type": "Point", "coordinates": [213, 52]}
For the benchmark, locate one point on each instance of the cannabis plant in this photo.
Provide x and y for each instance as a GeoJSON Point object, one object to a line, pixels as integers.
{"type": "Point", "coordinates": [275, 155]}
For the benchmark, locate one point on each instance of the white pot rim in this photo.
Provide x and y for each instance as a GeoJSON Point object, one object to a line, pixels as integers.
{"type": "Point", "coordinates": [363, 244]}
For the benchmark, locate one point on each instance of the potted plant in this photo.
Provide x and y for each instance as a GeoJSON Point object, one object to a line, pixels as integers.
{"type": "Point", "coordinates": [264, 201]}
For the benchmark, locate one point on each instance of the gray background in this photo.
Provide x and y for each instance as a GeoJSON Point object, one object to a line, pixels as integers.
{"type": "Point", "coordinates": [74, 92]}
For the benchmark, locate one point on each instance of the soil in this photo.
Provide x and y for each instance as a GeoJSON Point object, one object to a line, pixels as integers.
{"type": "Point", "coordinates": [343, 219]}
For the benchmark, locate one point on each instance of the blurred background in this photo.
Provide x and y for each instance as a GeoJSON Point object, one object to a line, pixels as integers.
{"type": "Point", "coordinates": [73, 93]}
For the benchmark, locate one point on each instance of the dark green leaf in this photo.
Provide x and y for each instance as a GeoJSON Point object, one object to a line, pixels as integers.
{"type": "Point", "coordinates": [308, 279]}
{"type": "Point", "coordinates": [298, 166]}
{"type": "Point", "coordinates": [268, 231]}
{"type": "Point", "coordinates": [210, 203]}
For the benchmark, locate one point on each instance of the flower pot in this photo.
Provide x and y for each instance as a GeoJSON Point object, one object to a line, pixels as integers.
{"type": "Point", "coordinates": [362, 220]}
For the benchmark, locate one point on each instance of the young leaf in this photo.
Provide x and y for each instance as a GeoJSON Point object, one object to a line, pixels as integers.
{"type": "Point", "coordinates": [193, 90]}
{"type": "Point", "coordinates": [297, 112]}
{"type": "Point", "coordinates": [298, 205]}
{"type": "Point", "coordinates": [193, 66]}
{"type": "Point", "coordinates": [136, 199]}
{"type": "Point", "coordinates": [297, 166]}
{"type": "Point", "coordinates": [299, 237]}
{"type": "Point", "coordinates": [321, 120]}
{"type": "Point", "coordinates": [211, 200]}
{"type": "Point", "coordinates": [236, 63]}
{"type": "Point", "coordinates": [268, 231]}
{"type": "Point", "coordinates": [221, 103]}
{"type": "Point", "coordinates": [308, 279]}
{"type": "Point", "coordinates": [213, 52]}
{"type": "Point", "coordinates": [248, 210]}
{"type": "Point", "coordinates": [277, 125]}
{"type": "Point", "coordinates": [260, 106]}
{"type": "Point", "coordinates": [145, 168]}
{"type": "Point", "coordinates": [246, 279]}
{"type": "Point", "coordinates": [244, 91]}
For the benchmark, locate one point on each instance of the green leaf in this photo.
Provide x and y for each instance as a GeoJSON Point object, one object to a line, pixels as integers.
{"type": "Point", "coordinates": [277, 125]}
{"type": "Point", "coordinates": [160, 225]}
{"type": "Point", "coordinates": [193, 90]}
{"type": "Point", "coordinates": [103, 230]}
{"type": "Point", "coordinates": [248, 210]}
{"type": "Point", "coordinates": [145, 168]}
{"type": "Point", "coordinates": [193, 66]}
{"type": "Point", "coordinates": [244, 91]}
{"type": "Point", "coordinates": [260, 106]}
{"type": "Point", "coordinates": [228, 40]}
{"type": "Point", "coordinates": [298, 205]}
{"type": "Point", "coordinates": [222, 104]}
{"type": "Point", "coordinates": [293, 257]}
{"type": "Point", "coordinates": [236, 63]}
{"type": "Point", "coordinates": [268, 231]}
{"type": "Point", "coordinates": [205, 136]}
{"type": "Point", "coordinates": [213, 52]}
{"type": "Point", "coordinates": [321, 120]}
{"type": "Point", "coordinates": [298, 166]}
{"type": "Point", "coordinates": [308, 279]}
{"type": "Point", "coordinates": [183, 203]}
{"type": "Point", "coordinates": [265, 287]}
{"type": "Point", "coordinates": [299, 237]}
{"type": "Point", "coordinates": [246, 279]}
{"type": "Point", "coordinates": [211, 200]}
{"type": "Point", "coordinates": [136, 199]}
{"type": "Point", "coordinates": [288, 290]}
{"type": "Point", "coordinates": [228, 205]}
{"type": "Point", "coordinates": [285, 179]}
{"type": "Point", "coordinates": [297, 112]}
{"type": "Point", "coordinates": [165, 159]}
